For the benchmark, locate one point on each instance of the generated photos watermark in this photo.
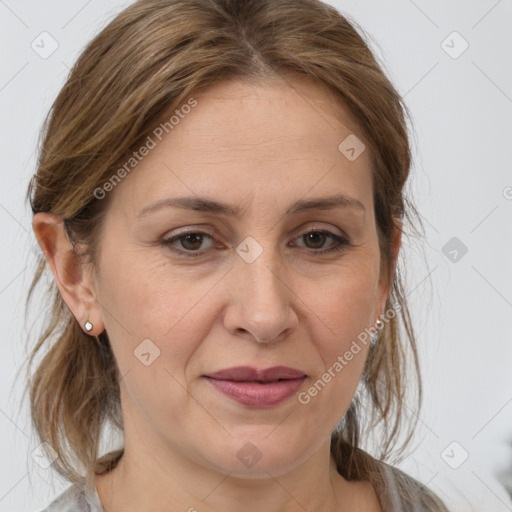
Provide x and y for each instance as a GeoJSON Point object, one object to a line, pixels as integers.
{"type": "Point", "coordinates": [342, 361]}
{"type": "Point", "coordinates": [152, 140]}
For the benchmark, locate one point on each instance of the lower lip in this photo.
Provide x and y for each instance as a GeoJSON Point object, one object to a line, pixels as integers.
{"type": "Point", "coordinates": [255, 394]}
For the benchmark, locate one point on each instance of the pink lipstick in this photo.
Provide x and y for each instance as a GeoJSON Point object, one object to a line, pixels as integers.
{"type": "Point", "coordinates": [257, 388]}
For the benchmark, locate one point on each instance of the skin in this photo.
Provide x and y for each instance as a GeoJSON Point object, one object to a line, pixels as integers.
{"type": "Point", "coordinates": [262, 148]}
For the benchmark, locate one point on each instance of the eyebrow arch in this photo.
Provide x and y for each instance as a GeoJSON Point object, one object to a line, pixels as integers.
{"type": "Point", "coordinates": [204, 204]}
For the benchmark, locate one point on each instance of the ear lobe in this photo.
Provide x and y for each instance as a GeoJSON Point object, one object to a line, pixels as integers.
{"type": "Point", "coordinates": [71, 276]}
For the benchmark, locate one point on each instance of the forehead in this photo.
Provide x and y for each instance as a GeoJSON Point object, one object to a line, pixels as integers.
{"type": "Point", "coordinates": [244, 140]}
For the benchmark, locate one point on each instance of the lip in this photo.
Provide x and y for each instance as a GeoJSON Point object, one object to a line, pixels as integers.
{"type": "Point", "coordinates": [257, 388]}
{"type": "Point", "coordinates": [248, 373]}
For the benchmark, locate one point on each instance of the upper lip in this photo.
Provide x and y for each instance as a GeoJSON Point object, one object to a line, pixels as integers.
{"type": "Point", "coordinates": [247, 373]}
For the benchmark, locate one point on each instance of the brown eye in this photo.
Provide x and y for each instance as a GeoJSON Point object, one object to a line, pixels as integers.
{"type": "Point", "coordinates": [190, 243]}
{"type": "Point", "coordinates": [315, 240]}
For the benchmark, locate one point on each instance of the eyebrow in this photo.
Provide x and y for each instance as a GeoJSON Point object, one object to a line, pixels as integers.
{"type": "Point", "coordinates": [205, 204]}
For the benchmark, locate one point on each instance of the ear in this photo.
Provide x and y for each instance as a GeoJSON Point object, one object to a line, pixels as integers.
{"type": "Point", "coordinates": [386, 280]}
{"type": "Point", "coordinates": [74, 280]}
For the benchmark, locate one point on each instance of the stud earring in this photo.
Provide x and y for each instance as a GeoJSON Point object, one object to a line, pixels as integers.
{"type": "Point", "coordinates": [374, 336]}
{"type": "Point", "coordinates": [88, 326]}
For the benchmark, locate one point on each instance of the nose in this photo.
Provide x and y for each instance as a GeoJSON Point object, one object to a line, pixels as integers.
{"type": "Point", "coordinates": [261, 300]}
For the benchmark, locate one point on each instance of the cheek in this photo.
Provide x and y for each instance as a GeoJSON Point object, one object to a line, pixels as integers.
{"type": "Point", "coordinates": [343, 310]}
{"type": "Point", "coordinates": [140, 302]}
{"type": "Point", "coordinates": [344, 302]}
{"type": "Point", "coordinates": [343, 307]}
{"type": "Point", "coordinates": [155, 318]}
{"type": "Point", "coordinates": [348, 311]}
{"type": "Point", "coordinates": [146, 295]}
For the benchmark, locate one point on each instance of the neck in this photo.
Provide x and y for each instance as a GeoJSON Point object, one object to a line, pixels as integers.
{"type": "Point", "coordinates": [143, 480]}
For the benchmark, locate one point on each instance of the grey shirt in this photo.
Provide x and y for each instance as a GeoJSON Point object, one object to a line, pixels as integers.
{"type": "Point", "coordinates": [76, 499]}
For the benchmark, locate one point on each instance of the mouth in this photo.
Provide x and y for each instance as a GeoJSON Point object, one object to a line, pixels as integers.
{"type": "Point", "coordinates": [257, 388]}
{"type": "Point", "coordinates": [250, 374]}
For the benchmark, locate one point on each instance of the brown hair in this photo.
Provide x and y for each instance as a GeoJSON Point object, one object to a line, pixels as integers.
{"type": "Point", "coordinates": [146, 62]}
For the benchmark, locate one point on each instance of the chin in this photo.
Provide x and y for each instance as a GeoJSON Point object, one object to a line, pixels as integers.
{"type": "Point", "coordinates": [258, 455]}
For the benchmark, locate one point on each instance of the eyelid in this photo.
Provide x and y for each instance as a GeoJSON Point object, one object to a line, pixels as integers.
{"type": "Point", "coordinates": [213, 232]}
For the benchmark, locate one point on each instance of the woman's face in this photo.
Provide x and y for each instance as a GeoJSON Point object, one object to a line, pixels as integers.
{"type": "Point", "coordinates": [250, 289]}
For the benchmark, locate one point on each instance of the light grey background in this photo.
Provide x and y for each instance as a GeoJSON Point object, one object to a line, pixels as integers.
{"type": "Point", "coordinates": [462, 183]}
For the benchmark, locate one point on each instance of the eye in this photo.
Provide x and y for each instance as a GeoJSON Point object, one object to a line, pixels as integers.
{"type": "Point", "coordinates": [318, 237]}
{"type": "Point", "coordinates": [192, 241]}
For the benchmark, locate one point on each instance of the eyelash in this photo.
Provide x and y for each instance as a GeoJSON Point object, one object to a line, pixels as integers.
{"type": "Point", "coordinates": [341, 244]}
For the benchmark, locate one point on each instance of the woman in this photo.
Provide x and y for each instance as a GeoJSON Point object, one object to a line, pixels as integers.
{"type": "Point", "coordinates": [219, 198]}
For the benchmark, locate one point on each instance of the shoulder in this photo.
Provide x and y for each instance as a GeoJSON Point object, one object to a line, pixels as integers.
{"type": "Point", "coordinates": [399, 491]}
{"type": "Point", "coordinates": [75, 499]}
